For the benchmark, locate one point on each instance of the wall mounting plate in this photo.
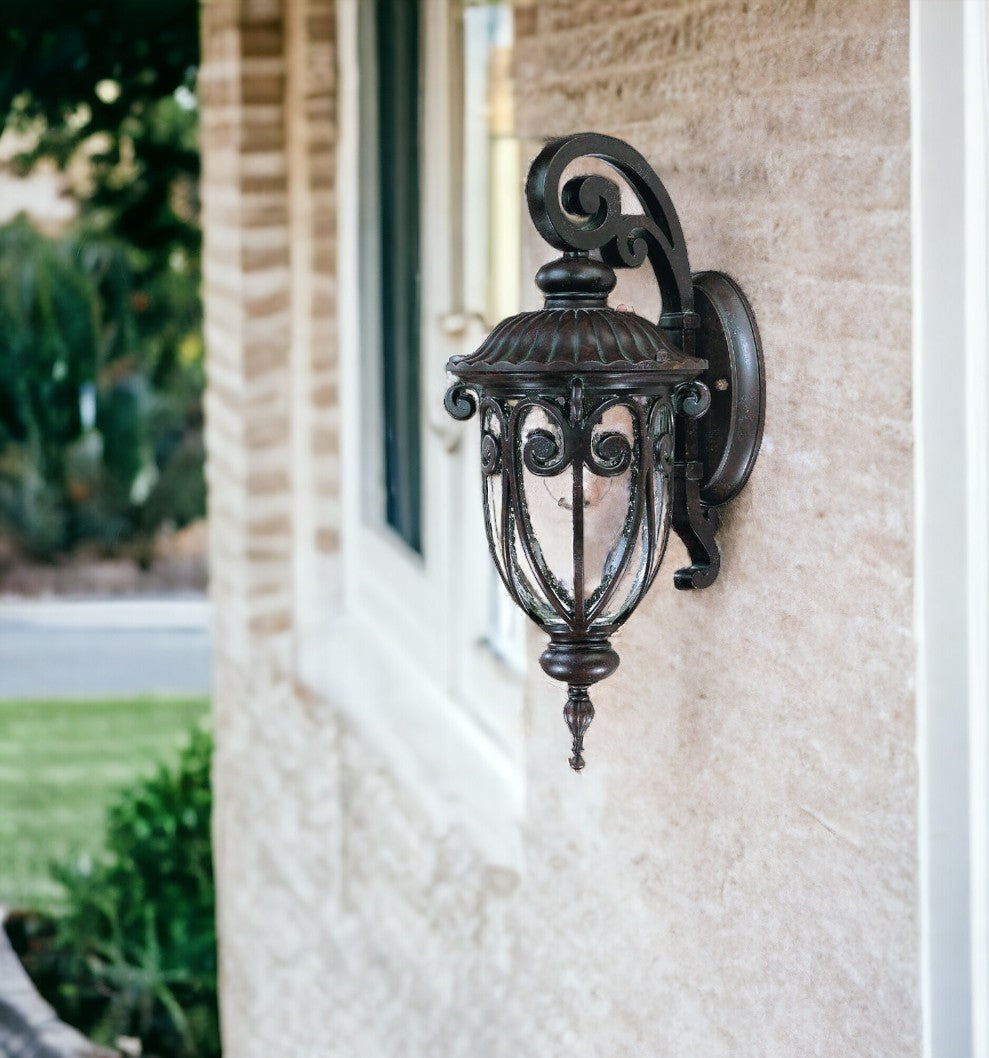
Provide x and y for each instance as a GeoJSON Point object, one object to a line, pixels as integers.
{"type": "Point", "coordinates": [730, 433]}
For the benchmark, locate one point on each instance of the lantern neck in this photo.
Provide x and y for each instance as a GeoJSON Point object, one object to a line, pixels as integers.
{"type": "Point", "coordinates": [576, 280]}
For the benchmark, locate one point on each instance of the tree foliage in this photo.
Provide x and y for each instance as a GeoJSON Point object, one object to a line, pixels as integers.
{"type": "Point", "coordinates": [114, 78]}
{"type": "Point", "coordinates": [105, 90]}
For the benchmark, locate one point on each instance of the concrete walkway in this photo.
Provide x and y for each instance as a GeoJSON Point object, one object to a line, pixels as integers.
{"type": "Point", "coordinates": [87, 648]}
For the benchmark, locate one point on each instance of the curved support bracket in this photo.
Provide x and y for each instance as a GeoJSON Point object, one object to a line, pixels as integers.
{"type": "Point", "coordinates": [719, 416]}
{"type": "Point", "coordinates": [719, 420]}
{"type": "Point", "coordinates": [586, 214]}
{"type": "Point", "coordinates": [696, 526]}
{"type": "Point", "coordinates": [718, 444]}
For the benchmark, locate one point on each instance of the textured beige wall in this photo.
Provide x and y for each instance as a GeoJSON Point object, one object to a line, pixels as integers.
{"type": "Point", "coordinates": [735, 872]}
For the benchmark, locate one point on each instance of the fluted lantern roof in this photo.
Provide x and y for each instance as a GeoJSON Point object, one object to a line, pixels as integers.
{"type": "Point", "coordinates": [577, 333]}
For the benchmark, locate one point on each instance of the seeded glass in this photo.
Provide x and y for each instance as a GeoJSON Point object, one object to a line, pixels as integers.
{"type": "Point", "coordinates": [577, 552]}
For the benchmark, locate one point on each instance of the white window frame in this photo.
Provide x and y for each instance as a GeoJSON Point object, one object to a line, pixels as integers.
{"type": "Point", "coordinates": [394, 640]}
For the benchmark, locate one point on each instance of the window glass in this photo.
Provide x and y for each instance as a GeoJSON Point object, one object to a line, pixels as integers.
{"type": "Point", "coordinates": [390, 129]}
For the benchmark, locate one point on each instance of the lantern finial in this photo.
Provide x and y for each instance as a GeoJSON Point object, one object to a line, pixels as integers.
{"type": "Point", "coordinates": [578, 713]}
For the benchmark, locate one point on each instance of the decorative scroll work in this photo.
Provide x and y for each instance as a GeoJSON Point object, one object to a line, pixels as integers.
{"type": "Point", "coordinates": [460, 401]}
{"type": "Point", "coordinates": [571, 436]}
{"type": "Point", "coordinates": [586, 214]}
{"type": "Point", "coordinates": [490, 454]}
{"type": "Point", "coordinates": [547, 453]}
{"type": "Point", "coordinates": [692, 399]}
{"type": "Point", "coordinates": [609, 454]}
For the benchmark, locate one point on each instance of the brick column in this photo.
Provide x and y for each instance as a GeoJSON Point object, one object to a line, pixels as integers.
{"type": "Point", "coordinates": [267, 93]}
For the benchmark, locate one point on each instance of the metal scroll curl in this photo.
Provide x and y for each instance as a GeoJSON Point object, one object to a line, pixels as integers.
{"type": "Point", "coordinates": [608, 454]}
{"type": "Point", "coordinates": [548, 452]}
{"type": "Point", "coordinates": [460, 401]}
{"type": "Point", "coordinates": [545, 453]}
{"type": "Point", "coordinates": [585, 213]}
{"type": "Point", "coordinates": [692, 399]}
{"type": "Point", "coordinates": [490, 453]}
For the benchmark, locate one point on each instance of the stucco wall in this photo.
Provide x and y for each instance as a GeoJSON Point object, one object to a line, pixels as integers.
{"type": "Point", "coordinates": [752, 769]}
{"type": "Point", "coordinates": [735, 871]}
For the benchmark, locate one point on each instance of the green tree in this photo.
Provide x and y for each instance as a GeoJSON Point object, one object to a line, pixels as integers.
{"type": "Point", "coordinates": [115, 78]}
{"type": "Point", "coordinates": [48, 343]}
{"type": "Point", "coordinates": [106, 90]}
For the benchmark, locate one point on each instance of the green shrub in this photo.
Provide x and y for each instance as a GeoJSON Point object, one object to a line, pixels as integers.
{"type": "Point", "coordinates": [79, 325]}
{"type": "Point", "coordinates": [30, 508]}
{"type": "Point", "coordinates": [135, 952]}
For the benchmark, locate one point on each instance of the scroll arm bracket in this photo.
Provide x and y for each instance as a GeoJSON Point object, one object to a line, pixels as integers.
{"type": "Point", "coordinates": [720, 433]}
{"type": "Point", "coordinates": [695, 523]}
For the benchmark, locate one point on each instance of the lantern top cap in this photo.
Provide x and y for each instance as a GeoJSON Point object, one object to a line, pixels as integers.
{"type": "Point", "coordinates": [577, 333]}
{"type": "Point", "coordinates": [576, 280]}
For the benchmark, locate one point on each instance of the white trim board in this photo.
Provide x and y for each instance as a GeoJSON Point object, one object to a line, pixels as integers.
{"type": "Point", "coordinates": [951, 400]}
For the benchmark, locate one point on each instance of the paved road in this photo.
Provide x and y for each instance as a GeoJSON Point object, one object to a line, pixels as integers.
{"type": "Point", "coordinates": [90, 648]}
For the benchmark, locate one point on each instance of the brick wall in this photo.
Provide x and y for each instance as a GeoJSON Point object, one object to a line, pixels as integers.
{"type": "Point", "coordinates": [735, 873]}
{"type": "Point", "coordinates": [267, 91]}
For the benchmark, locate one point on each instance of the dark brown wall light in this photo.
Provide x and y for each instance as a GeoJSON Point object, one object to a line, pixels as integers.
{"type": "Point", "coordinates": [600, 429]}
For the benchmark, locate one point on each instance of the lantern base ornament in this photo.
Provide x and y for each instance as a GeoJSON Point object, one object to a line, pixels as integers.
{"type": "Point", "coordinates": [578, 663]}
{"type": "Point", "coordinates": [578, 713]}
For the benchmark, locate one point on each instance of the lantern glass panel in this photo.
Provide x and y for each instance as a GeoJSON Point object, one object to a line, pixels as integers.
{"type": "Point", "coordinates": [644, 561]}
{"type": "Point", "coordinates": [531, 452]}
{"type": "Point", "coordinates": [544, 501]}
{"type": "Point", "coordinates": [610, 499]}
{"type": "Point", "coordinates": [502, 517]}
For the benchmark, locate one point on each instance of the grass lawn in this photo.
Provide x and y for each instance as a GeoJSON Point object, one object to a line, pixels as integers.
{"type": "Point", "coordinates": [60, 766]}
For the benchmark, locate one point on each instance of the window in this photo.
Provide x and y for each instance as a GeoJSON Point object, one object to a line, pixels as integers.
{"type": "Point", "coordinates": [423, 654]}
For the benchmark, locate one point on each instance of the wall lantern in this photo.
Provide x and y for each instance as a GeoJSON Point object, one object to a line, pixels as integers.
{"type": "Point", "coordinates": [599, 428]}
